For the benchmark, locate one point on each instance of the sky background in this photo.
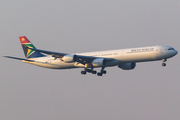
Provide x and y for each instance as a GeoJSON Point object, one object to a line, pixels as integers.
{"type": "Point", "coordinates": [149, 92]}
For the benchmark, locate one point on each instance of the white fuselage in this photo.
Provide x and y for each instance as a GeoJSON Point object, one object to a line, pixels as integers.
{"type": "Point", "coordinates": [121, 56]}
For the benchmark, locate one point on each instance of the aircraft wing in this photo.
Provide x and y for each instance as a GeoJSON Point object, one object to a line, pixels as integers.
{"type": "Point", "coordinates": [81, 58]}
{"type": "Point", "coordinates": [19, 58]}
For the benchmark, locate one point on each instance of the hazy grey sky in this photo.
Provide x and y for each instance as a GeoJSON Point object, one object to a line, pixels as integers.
{"type": "Point", "coordinates": [149, 92]}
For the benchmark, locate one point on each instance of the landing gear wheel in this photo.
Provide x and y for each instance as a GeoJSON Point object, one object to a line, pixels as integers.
{"type": "Point", "coordinates": [164, 60]}
{"type": "Point", "coordinates": [99, 74]}
{"type": "Point", "coordinates": [164, 64]}
{"type": "Point", "coordinates": [83, 72]}
{"type": "Point", "coordinates": [104, 72]}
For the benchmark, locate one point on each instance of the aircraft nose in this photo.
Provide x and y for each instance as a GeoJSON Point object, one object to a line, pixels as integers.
{"type": "Point", "coordinates": [175, 52]}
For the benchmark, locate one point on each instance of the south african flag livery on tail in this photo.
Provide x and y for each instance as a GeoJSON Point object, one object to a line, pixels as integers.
{"type": "Point", "coordinates": [28, 52]}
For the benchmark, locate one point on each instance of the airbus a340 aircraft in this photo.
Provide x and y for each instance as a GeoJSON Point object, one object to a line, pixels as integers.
{"type": "Point", "coordinates": [125, 59]}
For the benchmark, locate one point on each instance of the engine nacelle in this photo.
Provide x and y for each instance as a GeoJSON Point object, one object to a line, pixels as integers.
{"type": "Point", "coordinates": [100, 62]}
{"type": "Point", "coordinates": [127, 66]}
{"type": "Point", "coordinates": [69, 58]}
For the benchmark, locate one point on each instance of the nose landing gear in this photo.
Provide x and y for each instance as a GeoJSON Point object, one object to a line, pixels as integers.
{"type": "Point", "coordinates": [164, 64]}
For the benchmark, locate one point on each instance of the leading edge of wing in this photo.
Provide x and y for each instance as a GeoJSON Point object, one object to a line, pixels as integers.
{"type": "Point", "coordinates": [18, 58]}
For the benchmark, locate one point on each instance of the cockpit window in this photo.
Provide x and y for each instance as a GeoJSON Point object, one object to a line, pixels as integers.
{"type": "Point", "coordinates": [171, 49]}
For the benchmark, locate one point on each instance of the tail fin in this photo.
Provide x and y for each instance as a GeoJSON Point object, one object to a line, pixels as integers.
{"type": "Point", "coordinates": [28, 52]}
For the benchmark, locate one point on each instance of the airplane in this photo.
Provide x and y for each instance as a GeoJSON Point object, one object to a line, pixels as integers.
{"type": "Point", "coordinates": [125, 59]}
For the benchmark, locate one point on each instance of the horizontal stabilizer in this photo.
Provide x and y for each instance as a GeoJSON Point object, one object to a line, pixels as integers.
{"type": "Point", "coordinates": [19, 58]}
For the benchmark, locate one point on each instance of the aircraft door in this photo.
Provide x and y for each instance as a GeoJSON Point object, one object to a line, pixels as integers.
{"type": "Point", "coordinates": [159, 51]}
{"type": "Point", "coordinates": [122, 54]}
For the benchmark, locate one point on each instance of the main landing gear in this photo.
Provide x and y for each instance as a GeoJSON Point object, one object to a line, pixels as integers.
{"type": "Point", "coordinates": [88, 70]}
{"type": "Point", "coordinates": [164, 64]}
{"type": "Point", "coordinates": [102, 71]}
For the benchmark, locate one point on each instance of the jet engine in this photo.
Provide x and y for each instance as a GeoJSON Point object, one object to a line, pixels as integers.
{"type": "Point", "coordinates": [100, 62]}
{"type": "Point", "coordinates": [69, 58]}
{"type": "Point", "coordinates": [127, 66]}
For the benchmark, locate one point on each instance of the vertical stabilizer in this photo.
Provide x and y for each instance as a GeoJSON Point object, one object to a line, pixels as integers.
{"type": "Point", "coordinates": [28, 52]}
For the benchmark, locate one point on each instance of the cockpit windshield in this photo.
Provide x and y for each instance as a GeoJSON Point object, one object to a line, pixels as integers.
{"type": "Point", "coordinates": [171, 49]}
